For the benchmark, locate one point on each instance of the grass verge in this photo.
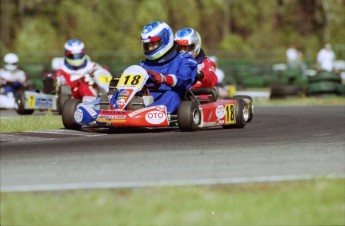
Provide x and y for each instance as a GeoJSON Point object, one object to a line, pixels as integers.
{"type": "Point", "coordinates": [315, 202]}
{"type": "Point", "coordinates": [30, 123]}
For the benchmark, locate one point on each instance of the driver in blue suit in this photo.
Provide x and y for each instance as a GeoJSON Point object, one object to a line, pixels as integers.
{"type": "Point", "coordinates": [175, 71]}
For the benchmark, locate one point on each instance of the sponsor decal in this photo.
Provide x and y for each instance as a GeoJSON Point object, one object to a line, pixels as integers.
{"type": "Point", "coordinates": [107, 112]}
{"type": "Point", "coordinates": [43, 103]}
{"type": "Point", "coordinates": [117, 117]}
{"type": "Point", "coordinates": [155, 117]}
{"type": "Point", "coordinates": [124, 93]}
{"type": "Point", "coordinates": [220, 122]}
{"type": "Point", "coordinates": [78, 115]}
{"type": "Point", "coordinates": [121, 101]}
{"type": "Point", "coordinates": [89, 109]}
{"type": "Point", "coordinates": [110, 117]}
{"type": "Point", "coordinates": [220, 111]}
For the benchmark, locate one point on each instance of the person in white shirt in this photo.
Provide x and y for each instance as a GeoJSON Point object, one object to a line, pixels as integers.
{"type": "Point", "coordinates": [326, 57]}
{"type": "Point", "coordinates": [292, 57]}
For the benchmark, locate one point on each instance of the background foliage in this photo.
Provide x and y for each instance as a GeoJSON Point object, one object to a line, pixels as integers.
{"type": "Point", "coordinates": [37, 29]}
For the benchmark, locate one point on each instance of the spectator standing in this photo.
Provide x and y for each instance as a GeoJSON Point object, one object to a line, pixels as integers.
{"type": "Point", "coordinates": [326, 57]}
{"type": "Point", "coordinates": [292, 57]}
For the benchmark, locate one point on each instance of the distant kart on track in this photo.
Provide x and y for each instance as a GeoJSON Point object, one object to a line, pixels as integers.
{"type": "Point", "coordinates": [199, 108]}
{"type": "Point", "coordinates": [53, 98]}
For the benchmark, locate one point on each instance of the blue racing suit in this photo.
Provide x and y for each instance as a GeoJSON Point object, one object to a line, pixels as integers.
{"type": "Point", "coordinates": [183, 66]}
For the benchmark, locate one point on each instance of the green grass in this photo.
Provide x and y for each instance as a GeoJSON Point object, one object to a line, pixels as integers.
{"type": "Point", "coordinates": [31, 123]}
{"type": "Point", "coordinates": [315, 202]}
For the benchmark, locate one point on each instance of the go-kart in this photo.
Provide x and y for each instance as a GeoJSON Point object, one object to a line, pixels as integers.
{"type": "Point", "coordinates": [53, 97]}
{"type": "Point", "coordinates": [199, 108]}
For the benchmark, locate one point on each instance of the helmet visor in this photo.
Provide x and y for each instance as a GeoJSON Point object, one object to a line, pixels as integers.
{"type": "Point", "coordinates": [74, 56]}
{"type": "Point", "coordinates": [187, 48]}
{"type": "Point", "coordinates": [152, 44]}
{"type": "Point", "coordinates": [11, 67]}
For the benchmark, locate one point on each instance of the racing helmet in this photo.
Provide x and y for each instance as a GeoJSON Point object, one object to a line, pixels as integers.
{"type": "Point", "coordinates": [157, 39]}
{"type": "Point", "coordinates": [11, 61]}
{"type": "Point", "coordinates": [75, 53]}
{"type": "Point", "coordinates": [189, 41]}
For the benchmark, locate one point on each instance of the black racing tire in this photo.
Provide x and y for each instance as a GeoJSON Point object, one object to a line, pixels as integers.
{"type": "Point", "coordinates": [281, 91]}
{"type": "Point", "coordinates": [19, 99]}
{"type": "Point", "coordinates": [188, 116]}
{"type": "Point", "coordinates": [249, 102]}
{"type": "Point", "coordinates": [324, 76]}
{"type": "Point", "coordinates": [68, 110]}
{"type": "Point", "coordinates": [61, 101]}
{"type": "Point", "coordinates": [322, 88]}
{"type": "Point", "coordinates": [241, 115]}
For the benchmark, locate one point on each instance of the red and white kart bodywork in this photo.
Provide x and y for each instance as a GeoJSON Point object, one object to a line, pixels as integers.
{"type": "Point", "coordinates": [199, 109]}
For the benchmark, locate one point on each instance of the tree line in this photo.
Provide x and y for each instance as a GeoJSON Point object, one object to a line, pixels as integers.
{"type": "Point", "coordinates": [36, 28]}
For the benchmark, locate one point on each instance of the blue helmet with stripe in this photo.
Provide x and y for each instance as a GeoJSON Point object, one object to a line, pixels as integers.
{"type": "Point", "coordinates": [157, 39]}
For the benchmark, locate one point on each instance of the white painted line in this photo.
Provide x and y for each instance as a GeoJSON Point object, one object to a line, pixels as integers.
{"type": "Point", "coordinates": [142, 184]}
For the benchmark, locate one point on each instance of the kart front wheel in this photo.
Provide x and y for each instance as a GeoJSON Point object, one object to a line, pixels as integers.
{"type": "Point", "coordinates": [188, 116]}
{"type": "Point", "coordinates": [68, 110]}
{"type": "Point", "coordinates": [249, 102]}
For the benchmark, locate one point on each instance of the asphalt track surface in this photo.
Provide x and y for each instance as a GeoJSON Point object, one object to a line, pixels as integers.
{"type": "Point", "coordinates": [281, 143]}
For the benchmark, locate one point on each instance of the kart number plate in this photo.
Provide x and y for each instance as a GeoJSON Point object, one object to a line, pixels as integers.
{"type": "Point", "coordinates": [229, 114]}
{"type": "Point", "coordinates": [131, 81]}
{"type": "Point", "coordinates": [31, 101]}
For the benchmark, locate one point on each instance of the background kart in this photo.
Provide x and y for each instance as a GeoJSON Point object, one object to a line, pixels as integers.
{"type": "Point", "coordinates": [53, 97]}
{"type": "Point", "coordinates": [199, 108]}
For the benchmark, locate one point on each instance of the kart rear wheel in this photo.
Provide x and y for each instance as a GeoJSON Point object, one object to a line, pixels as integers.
{"type": "Point", "coordinates": [241, 114]}
{"type": "Point", "coordinates": [188, 116]}
{"type": "Point", "coordinates": [64, 93]}
{"type": "Point", "coordinates": [19, 99]}
{"type": "Point", "coordinates": [68, 110]}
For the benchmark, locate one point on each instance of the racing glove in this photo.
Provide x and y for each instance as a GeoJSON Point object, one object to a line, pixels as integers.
{"type": "Point", "coordinates": [159, 78]}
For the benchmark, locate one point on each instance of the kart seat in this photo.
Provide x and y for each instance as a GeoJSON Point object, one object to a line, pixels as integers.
{"type": "Point", "coordinates": [203, 95]}
{"type": "Point", "coordinates": [48, 85]}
